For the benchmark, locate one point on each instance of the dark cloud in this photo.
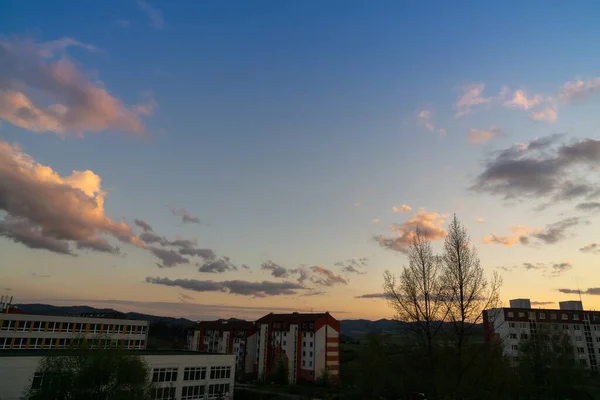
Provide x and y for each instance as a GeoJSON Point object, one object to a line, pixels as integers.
{"type": "Point", "coordinates": [217, 266]}
{"type": "Point", "coordinates": [551, 270]}
{"type": "Point", "coordinates": [542, 303]}
{"type": "Point", "coordinates": [169, 258]}
{"type": "Point", "coordinates": [142, 224]}
{"type": "Point", "coordinates": [185, 216]}
{"type": "Point", "coordinates": [150, 238]}
{"type": "Point", "coordinates": [41, 275]}
{"type": "Point", "coordinates": [325, 277]}
{"type": "Point", "coordinates": [313, 293]}
{"type": "Point", "coordinates": [239, 287]}
{"type": "Point", "coordinates": [557, 231]}
{"type": "Point", "coordinates": [22, 231]}
{"type": "Point", "coordinates": [245, 266]}
{"type": "Point", "coordinates": [530, 266]}
{"type": "Point", "coordinates": [551, 234]}
{"type": "Point", "coordinates": [591, 248]}
{"type": "Point", "coordinates": [372, 296]}
{"type": "Point", "coordinates": [207, 254]}
{"type": "Point", "coordinates": [302, 273]}
{"type": "Point", "coordinates": [97, 244]}
{"type": "Point", "coordinates": [542, 168]}
{"type": "Point", "coordinates": [353, 265]}
{"type": "Point", "coordinates": [595, 291]}
{"type": "Point", "coordinates": [589, 206]}
{"type": "Point", "coordinates": [504, 268]}
{"type": "Point", "coordinates": [276, 270]}
{"type": "Point", "coordinates": [558, 269]}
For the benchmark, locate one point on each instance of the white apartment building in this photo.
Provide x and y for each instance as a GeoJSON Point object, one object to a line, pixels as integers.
{"type": "Point", "coordinates": [521, 322]}
{"type": "Point", "coordinates": [25, 331]}
{"type": "Point", "coordinates": [177, 375]}
{"type": "Point", "coordinates": [309, 342]}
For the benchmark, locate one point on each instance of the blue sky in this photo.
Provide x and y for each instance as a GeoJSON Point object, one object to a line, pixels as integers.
{"type": "Point", "coordinates": [289, 127]}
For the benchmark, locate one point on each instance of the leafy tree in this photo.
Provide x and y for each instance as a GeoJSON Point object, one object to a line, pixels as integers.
{"type": "Point", "coordinates": [83, 374]}
{"type": "Point", "coordinates": [280, 372]}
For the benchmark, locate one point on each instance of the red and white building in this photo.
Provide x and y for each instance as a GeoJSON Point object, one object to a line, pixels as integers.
{"type": "Point", "coordinates": [309, 342]}
{"type": "Point", "coordinates": [223, 337]}
{"type": "Point", "coordinates": [511, 325]}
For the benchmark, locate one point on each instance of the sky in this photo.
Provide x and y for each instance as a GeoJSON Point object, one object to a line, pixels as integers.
{"type": "Point", "coordinates": [214, 159]}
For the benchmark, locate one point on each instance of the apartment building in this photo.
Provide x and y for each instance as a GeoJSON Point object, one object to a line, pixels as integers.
{"type": "Point", "coordinates": [309, 343]}
{"type": "Point", "coordinates": [520, 322]}
{"type": "Point", "coordinates": [176, 374]}
{"type": "Point", "coordinates": [20, 331]}
{"type": "Point", "coordinates": [222, 336]}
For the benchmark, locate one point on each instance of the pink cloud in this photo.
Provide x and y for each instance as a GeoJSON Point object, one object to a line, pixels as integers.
{"type": "Point", "coordinates": [471, 95]}
{"type": "Point", "coordinates": [402, 208]}
{"type": "Point", "coordinates": [429, 223]}
{"type": "Point", "coordinates": [482, 135]}
{"type": "Point", "coordinates": [518, 235]}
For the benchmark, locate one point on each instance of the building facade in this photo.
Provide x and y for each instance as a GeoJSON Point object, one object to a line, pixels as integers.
{"type": "Point", "coordinates": [511, 326]}
{"type": "Point", "coordinates": [176, 375]}
{"type": "Point", "coordinates": [28, 332]}
{"type": "Point", "coordinates": [223, 337]}
{"type": "Point", "coordinates": [309, 343]}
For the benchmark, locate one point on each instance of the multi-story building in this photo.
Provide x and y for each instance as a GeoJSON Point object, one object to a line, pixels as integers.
{"type": "Point", "coordinates": [520, 322]}
{"type": "Point", "coordinates": [308, 342]}
{"type": "Point", "coordinates": [20, 331]}
{"type": "Point", "coordinates": [175, 374]}
{"type": "Point", "coordinates": [222, 336]}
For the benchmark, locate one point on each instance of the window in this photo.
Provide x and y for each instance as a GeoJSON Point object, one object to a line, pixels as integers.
{"type": "Point", "coordinates": [521, 314]}
{"type": "Point", "coordinates": [311, 334]}
{"type": "Point", "coordinates": [304, 354]}
{"type": "Point", "coordinates": [523, 336]}
{"type": "Point", "coordinates": [311, 344]}
{"type": "Point", "coordinates": [511, 314]}
{"type": "Point", "coordinates": [194, 373]}
{"type": "Point", "coordinates": [7, 325]}
{"type": "Point", "coordinates": [192, 392]}
{"type": "Point", "coordinates": [555, 327]}
{"type": "Point", "coordinates": [524, 325]}
{"type": "Point", "coordinates": [542, 315]}
{"type": "Point", "coordinates": [304, 363]}
{"type": "Point", "coordinates": [513, 335]}
{"type": "Point", "coordinates": [515, 347]}
{"type": "Point", "coordinates": [531, 315]}
{"type": "Point", "coordinates": [284, 342]}
{"type": "Point", "coordinates": [576, 327]}
{"type": "Point", "coordinates": [511, 324]}
{"type": "Point", "coordinates": [164, 375]}
{"type": "Point", "coordinates": [217, 389]}
{"type": "Point", "coordinates": [583, 361]}
{"type": "Point", "coordinates": [220, 372]}
{"type": "Point", "coordinates": [310, 355]}
{"type": "Point", "coordinates": [578, 338]}
{"type": "Point", "coordinates": [310, 363]}
{"type": "Point", "coordinates": [564, 316]}
{"type": "Point", "coordinates": [20, 343]}
{"type": "Point", "coordinates": [37, 326]}
{"type": "Point", "coordinates": [118, 329]}
{"type": "Point", "coordinates": [24, 326]}
{"type": "Point", "coordinates": [597, 328]}
{"type": "Point", "coordinates": [598, 339]}
{"type": "Point", "coordinates": [67, 327]}
{"type": "Point", "coordinates": [575, 317]}
{"type": "Point", "coordinates": [79, 328]}
{"type": "Point", "coordinates": [163, 393]}
{"type": "Point", "coordinates": [580, 350]}
{"type": "Point", "coordinates": [94, 328]}
{"type": "Point", "coordinates": [5, 343]}
{"type": "Point", "coordinates": [53, 327]}
{"type": "Point", "coordinates": [303, 344]}
{"type": "Point", "coordinates": [565, 327]}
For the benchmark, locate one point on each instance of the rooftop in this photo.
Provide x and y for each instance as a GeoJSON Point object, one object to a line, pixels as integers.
{"type": "Point", "coordinates": [68, 352]}
{"type": "Point", "coordinates": [292, 317]}
{"type": "Point", "coordinates": [224, 324]}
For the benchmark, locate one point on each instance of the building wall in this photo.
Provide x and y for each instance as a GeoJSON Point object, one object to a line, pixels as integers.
{"type": "Point", "coordinates": [17, 371]}
{"type": "Point", "coordinates": [24, 331]}
{"type": "Point", "coordinates": [251, 353]}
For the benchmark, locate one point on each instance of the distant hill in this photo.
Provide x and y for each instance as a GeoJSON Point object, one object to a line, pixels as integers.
{"type": "Point", "coordinates": [350, 327]}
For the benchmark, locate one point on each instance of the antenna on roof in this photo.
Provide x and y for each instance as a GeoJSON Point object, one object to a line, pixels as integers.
{"type": "Point", "coordinates": [578, 290]}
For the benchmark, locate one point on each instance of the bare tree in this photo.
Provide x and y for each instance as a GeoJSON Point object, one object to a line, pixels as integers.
{"type": "Point", "coordinates": [467, 291]}
{"type": "Point", "coordinates": [416, 295]}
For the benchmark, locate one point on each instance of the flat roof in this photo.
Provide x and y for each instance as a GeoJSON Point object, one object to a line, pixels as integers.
{"type": "Point", "coordinates": [69, 352]}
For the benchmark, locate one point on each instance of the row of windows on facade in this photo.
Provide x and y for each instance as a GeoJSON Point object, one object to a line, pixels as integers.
{"type": "Point", "coordinates": [52, 343]}
{"type": "Point", "coordinates": [580, 350]}
{"type": "Point", "coordinates": [576, 327]}
{"type": "Point", "coordinates": [43, 326]}
{"type": "Point", "coordinates": [542, 315]}
{"type": "Point", "coordinates": [526, 336]}
{"type": "Point", "coordinates": [191, 392]}
{"type": "Point", "coordinates": [190, 373]}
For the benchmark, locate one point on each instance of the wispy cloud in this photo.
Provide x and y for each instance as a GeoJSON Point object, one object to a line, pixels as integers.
{"type": "Point", "coordinates": [402, 208]}
{"type": "Point", "coordinates": [594, 291]}
{"type": "Point", "coordinates": [217, 266]}
{"type": "Point", "coordinates": [471, 95]}
{"type": "Point", "coordinates": [548, 114]}
{"type": "Point", "coordinates": [372, 296]}
{"type": "Point", "coordinates": [325, 277]}
{"type": "Point", "coordinates": [578, 89]}
{"type": "Point", "coordinates": [551, 270]}
{"type": "Point", "coordinates": [275, 270]}
{"type": "Point", "coordinates": [477, 136]}
{"type": "Point", "coordinates": [154, 15]}
{"type": "Point", "coordinates": [354, 265]}
{"type": "Point", "coordinates": [185, 215]}
{"type": "Point", "coordinates": [551, 234]}
{"type": "Point", "coordinates": [43, 94]}
{"type": "Point", "coordinates": [425, 119]}
{"type": "Point", "coordinates": [375, 220]}
{"type": "Point", "coordinates": [480, 220]}
{"type": "Point", "coordinates": [593, 248]}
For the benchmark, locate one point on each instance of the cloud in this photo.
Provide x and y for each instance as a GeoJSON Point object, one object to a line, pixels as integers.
{"type": "Point", "coordinates": [356, 204]}
{"type": "Point", "coordinates": [41, 93]}
{"type": "Point", "coordinates": [41, 275]}
{"type": "Point", "coordinates": [153, 14]}
{"type": "Point", "coordinates": [375, 220]}
{"type": "Point", "coordinates": [593, 248]}
{"type": "Point", "coordinates": [207, 254]}
{"type": "Point", "coordinates": [402, 208]}
{"type": "Point", "coordinates": [185, 216]}
{"type": "Point", "coordinates": [372, 296]}
{"type": "Point", "coordinates": [429, 223]}
{"type": "Point", "coordinates": [302, 273]}
{"type": "Point", "coordinates": [46, 210]}
{"type": "Point", "coordinates": [548, 114]}
{"type": "Point", "coordinates": [482, 135]}
{"type": "Point", "coordinates": [520, 100]}
{"type": "Point", "coordinates": [542, 303]}
{"type": "Point", "coordinates": [142, 224]}
{"type": "Point", "coordinates": [169, 258]}
{"type": "Point", "coordinates": [542, 168]}
{"type": "Point", "coordinates": [551, 270]}
{"type": "Point", "coordinates": [353, 265]}
{"type": "Point", "coordinates": [276, 270]}
{"type": "Point", "coordinates": [558, 269]}
{"type": "Point", "coordinates": [325, 277]}
{"type": "Point", "coordinates": [480, 220]}
{"type": "Point", "coordinates": [150, 238]}
{"type": "Point", "coordinates": [578, 90]}
{"type": "Point", "coordinates": [217, 266]}
{"type": "Point", "coordinates": [594, 291]}
{"type": "Point", "coordinates": [97, 244]}
{"type": "Point", "coordinates": [590, 206]}
{"type": "Point", "coordinates": [551, 234]}
{"type": "Point", "coordinates": [238, 287]}
{"type": "Point", "coordinates": [313, 293]}
{"type": "Point", "coordinates": [425, 118]}
{"type": "Point", "coordinates": [470, 96]}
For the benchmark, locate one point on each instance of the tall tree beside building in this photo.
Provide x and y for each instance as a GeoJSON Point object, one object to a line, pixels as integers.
{"type": "Point", "coordinates": [83, 374]}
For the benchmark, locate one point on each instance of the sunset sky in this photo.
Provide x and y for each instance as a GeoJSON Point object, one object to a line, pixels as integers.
{"type": "Point", "coordinates": [230, 158]}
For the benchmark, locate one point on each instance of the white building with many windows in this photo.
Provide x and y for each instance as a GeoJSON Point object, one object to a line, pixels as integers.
{"type": "Point", "coordinates": [181, 375]}
{"type": "Point", "coordinates": [26, 331]}
{"type": "Point", "coordinates": [512, 325]}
